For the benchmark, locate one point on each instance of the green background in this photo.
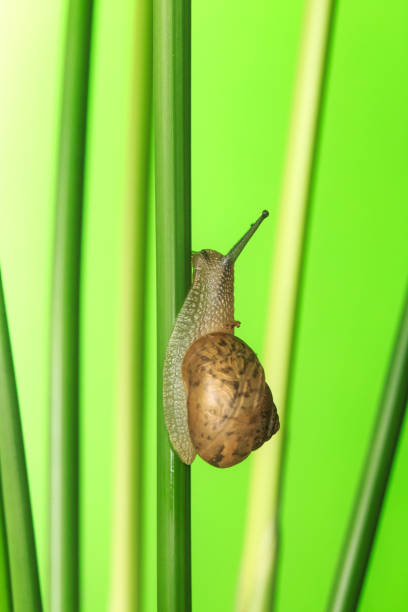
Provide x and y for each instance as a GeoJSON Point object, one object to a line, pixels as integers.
{"type": "Point", "coordinates": [244, 58]}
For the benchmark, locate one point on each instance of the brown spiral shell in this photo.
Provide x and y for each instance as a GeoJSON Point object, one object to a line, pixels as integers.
{"type": "Point", "coordinates": [230, 407]}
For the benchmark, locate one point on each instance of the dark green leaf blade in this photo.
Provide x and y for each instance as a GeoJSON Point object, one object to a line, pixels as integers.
{"type": "Point", "coordinates": [16, 497]}
{"type": "Point", "coordinates": [370, 495]}
{"type": "Point", "coordinates": [5, 584]}
{"type": "Point", "coordinates": [172, 124]}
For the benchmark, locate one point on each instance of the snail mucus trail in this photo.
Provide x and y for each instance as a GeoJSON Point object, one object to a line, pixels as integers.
{"type": "Point", "coordinates": [216, 401]}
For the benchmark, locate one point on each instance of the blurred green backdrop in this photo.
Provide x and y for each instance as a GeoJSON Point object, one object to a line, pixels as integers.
{"type": "Point", "coordinates": [244, 58]}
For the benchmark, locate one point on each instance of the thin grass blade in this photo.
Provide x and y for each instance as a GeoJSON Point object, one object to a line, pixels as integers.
{"type": "Point", "coordinates": [5, 583]}
{"type": "Point", "coordinates": [65, 313]}
{"type": "Point", "coordinates": [257, 576]}
{"type": "Point", "coordinates": [19, 532]}
{"type": "Point", "coordinates": [172, 146]}
{"type": "Point", "coordinates": [370, 495]}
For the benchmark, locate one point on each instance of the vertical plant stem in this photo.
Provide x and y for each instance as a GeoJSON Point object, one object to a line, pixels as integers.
{"type": "Point", "coordinates": [126, 545]}
{"type": "Point", "coordinates": [65, 313]}
{"type": "Point", "coordinates": [19, 532]}
{"type": "Point", "coordinates": [374, 480]}
{"type": "Point", "coordinates": [5, 583]}
{"type": "Point", "coordinates": [256, 584]}
{"type": "Point", "coordinates": [172, 123]}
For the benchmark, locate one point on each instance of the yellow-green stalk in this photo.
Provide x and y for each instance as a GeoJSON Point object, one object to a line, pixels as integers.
{"type": "Point", "coordinates": [255, 586]}
{"type": "Point", "coordinates": [126, 531]}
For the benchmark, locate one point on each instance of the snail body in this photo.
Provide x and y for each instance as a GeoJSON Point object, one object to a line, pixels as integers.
{"type": "Point", "coordinates": [230, 411]}
{"type": "Point", "coordinates": [209, 307]}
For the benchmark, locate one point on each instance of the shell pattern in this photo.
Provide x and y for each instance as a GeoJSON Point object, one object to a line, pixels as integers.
{"type": "Point", "coordinates": [230, 407]}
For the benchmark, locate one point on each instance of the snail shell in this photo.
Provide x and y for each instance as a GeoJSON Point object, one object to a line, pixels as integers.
{"type": "Point", "coordinates": [230, 407]}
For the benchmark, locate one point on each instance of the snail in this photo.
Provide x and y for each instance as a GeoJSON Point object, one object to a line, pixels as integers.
{"type": "Point", "coordinates": [216, 401]}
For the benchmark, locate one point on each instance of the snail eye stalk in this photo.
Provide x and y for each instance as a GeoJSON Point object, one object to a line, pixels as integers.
{"type": "Point", "coordinates": [238, 247]}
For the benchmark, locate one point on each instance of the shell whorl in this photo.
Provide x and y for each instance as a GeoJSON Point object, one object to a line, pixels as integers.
{"type": "Point", "coordinates": [230, 407]}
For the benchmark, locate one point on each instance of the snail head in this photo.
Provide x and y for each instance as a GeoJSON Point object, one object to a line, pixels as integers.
{"type": "Point", "coordinates": [209, 261]}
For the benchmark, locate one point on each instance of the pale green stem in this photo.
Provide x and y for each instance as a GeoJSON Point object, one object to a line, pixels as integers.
{"type": "Point", "coordinates": [64, 375]}
{"type": "Point", "coordinates": [255, 588]}
{"type": "Point", "coordinates": [126, 532]}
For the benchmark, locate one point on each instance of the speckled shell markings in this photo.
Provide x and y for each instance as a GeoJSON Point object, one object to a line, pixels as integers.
{"type": "Point", "coordinates": [230, 409]}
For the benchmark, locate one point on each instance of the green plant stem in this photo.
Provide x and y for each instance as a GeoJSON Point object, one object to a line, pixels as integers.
{"type": "Point", "coordinates": [172, 123]}
{"type": "Point", "coordinates": [370, 495]}
{"type": "Point", "coordinates": [5, 583]}
{"type": "Point", "coordinates": [16, 497]}
{"type": "Point", "coordinates": [65, 313]}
